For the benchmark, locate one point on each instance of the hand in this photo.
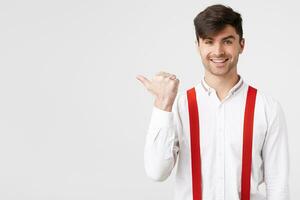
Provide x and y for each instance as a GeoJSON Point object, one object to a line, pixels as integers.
{"type": "Point", "coordinates": [164, 86]}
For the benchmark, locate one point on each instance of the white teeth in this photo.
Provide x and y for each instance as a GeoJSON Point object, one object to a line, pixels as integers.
{"type": "Point", "coordinates": [218, 60]}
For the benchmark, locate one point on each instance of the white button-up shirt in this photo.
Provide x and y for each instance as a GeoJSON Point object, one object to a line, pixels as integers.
{"type": "Point", "coordinates": [221, 133]}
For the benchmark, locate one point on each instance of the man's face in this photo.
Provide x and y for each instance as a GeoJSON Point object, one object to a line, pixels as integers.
{"type": "Point", "coordinates": [220, 52]}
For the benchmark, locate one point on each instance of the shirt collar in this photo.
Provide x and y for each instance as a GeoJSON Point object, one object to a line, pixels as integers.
{"type": "Point", "coordinates": [233, 90]}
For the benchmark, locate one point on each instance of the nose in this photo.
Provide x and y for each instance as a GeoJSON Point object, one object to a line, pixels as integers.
{"type": "Point", "coordinates": [219, 50]}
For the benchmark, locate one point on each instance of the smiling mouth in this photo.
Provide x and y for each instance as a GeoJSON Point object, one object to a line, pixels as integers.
{"type": "Point", "coordinates": [217, 61]}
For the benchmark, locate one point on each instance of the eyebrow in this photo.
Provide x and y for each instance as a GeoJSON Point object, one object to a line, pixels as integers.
{"type": "Point", "coordinates": [229, 37]}
{"type": "Point", "coordinates": [225, 38]}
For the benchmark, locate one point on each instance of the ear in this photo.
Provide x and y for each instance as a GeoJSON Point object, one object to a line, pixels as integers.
{"type": "Point", "coordinates": [242, 45]}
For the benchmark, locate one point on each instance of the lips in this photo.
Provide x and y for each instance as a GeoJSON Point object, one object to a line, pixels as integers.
{"type": "Point", "coordinates": [219, 60]}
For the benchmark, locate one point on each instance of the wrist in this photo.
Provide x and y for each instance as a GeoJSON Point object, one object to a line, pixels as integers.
{"type": "Point", "coordinates": [163, 105]}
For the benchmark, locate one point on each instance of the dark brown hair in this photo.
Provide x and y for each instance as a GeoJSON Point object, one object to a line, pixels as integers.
{"type": "Point", "coordinates": [214, 18]}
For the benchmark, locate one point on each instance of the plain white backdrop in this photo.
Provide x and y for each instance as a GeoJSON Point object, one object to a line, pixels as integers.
{"type": "Point", "coordinates": [73, 117]}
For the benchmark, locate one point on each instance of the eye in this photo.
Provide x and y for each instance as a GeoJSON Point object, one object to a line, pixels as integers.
{"type": "Point", "coordinates": [208, 42]}
{"type": "Point", "coordinates": [228, 42]}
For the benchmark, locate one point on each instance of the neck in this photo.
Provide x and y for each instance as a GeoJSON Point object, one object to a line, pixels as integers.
{"type": "Point", "coordinates": [222, 84]}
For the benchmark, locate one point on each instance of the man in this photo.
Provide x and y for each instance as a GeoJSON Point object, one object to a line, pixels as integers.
{"type": "Point", "coordinates": [221, 98]}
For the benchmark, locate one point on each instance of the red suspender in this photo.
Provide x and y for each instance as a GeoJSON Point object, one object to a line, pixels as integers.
{"type": "Point", "coordinates": [195, 144]}
{"type": "Point", "coordinates": [247, 143]}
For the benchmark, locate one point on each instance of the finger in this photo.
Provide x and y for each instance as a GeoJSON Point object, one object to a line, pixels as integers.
{"type": "Point", "coordinates": [173, 77]}
{"type": "Point", "coordinates": [163, 74]}
{"type": "Point", "coordinates": [143, 80]}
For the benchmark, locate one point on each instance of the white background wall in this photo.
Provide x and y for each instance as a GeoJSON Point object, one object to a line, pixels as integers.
{"type": "Point", "coordinates": [73, 118]}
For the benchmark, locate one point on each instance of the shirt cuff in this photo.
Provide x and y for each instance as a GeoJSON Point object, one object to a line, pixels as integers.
{"type": "Point", "coordinates": [161, 118]}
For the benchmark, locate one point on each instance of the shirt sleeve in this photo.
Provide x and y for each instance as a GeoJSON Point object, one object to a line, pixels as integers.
{"type": "Point", "coordinates": [162, 145]}
{"type": "Point", "coordinates": [276, 156]}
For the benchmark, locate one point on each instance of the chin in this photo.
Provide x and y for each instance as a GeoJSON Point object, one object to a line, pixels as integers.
{"type": "Point", "coordinates": [219, 71]}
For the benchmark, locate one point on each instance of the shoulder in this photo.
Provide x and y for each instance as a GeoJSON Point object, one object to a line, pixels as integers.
{"type": "Point", "coordinates": [182, 96]}
{"type": "Point", "coordinates": [267, 99]}
{"type": "Point", "coordinates": [181, 100]}
{"type": "Point", "coordinates": [269, 103]}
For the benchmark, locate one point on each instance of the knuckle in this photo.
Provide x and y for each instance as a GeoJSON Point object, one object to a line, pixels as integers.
{"type": "Point", "coordinates": [172, 76]}
{"type": "Point", "coordinates": [160, 72]}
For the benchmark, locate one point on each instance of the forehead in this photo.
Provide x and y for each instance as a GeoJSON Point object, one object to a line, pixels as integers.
{"type": "Point", "coordinates": [225, 32]}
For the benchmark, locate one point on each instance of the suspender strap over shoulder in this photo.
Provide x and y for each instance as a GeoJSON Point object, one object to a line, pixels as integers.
{"type": "Point", "coordinates": [247, 143]}
{"type": "Point", "coordinates": [195, 144]}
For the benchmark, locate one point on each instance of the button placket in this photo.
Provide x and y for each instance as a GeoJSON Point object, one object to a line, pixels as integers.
{"type": "Point", "coordinates": [222, 149]}
{"type": "Point", "coordinates": [219, 167]}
